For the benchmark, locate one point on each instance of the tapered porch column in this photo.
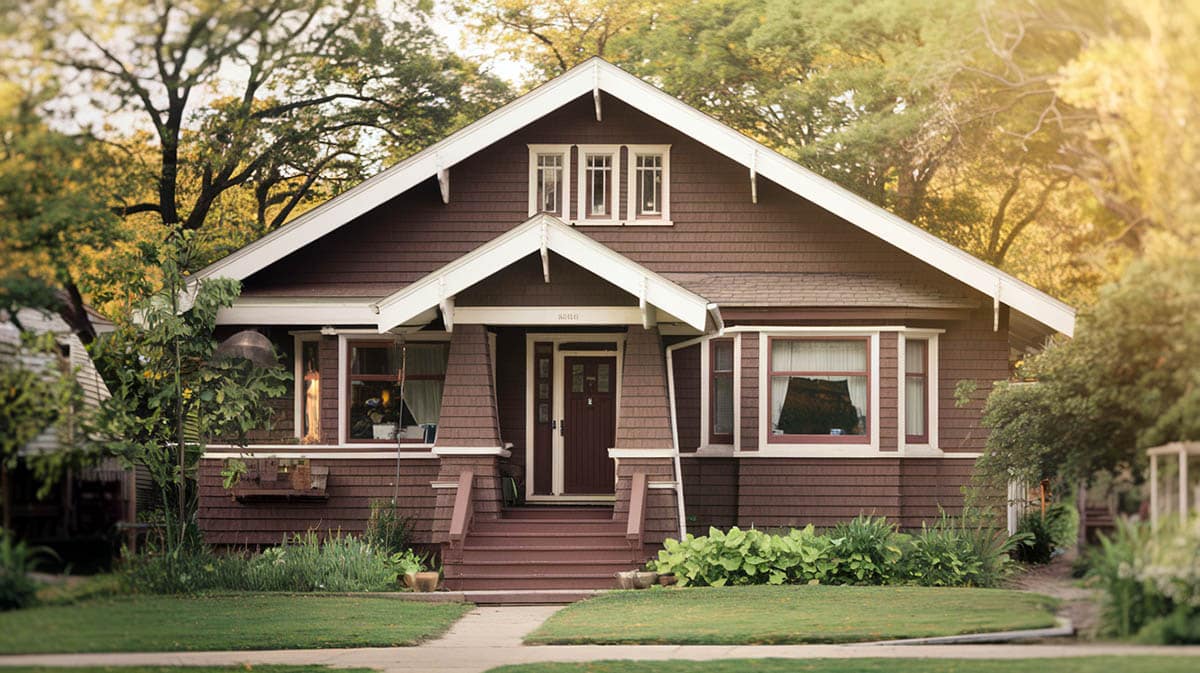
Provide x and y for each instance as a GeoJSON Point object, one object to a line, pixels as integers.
{"type": "Point", "coordinates": [468, 435]}
{"type": "Point", "coordinates": [644, 442]}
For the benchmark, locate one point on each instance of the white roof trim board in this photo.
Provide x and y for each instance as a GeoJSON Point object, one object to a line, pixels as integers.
{"type": "Point", "coordinates": [540, 233]}
{"type": "Point", "coordinates": [597, 73]}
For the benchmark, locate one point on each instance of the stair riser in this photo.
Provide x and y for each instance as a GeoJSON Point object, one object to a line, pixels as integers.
{"type": "Point", "coordinates": [548, 527]}
{"type": "Point", "coordinates": [492, 584]}
{"type": "Point", "coordinates": [536, 570]}
{"type": "Point", "coordinates": [555, 513]}
{"type": "Point", "coordinates": [533, 540]}
{"type": "Point", "coordinates": [615, 555]}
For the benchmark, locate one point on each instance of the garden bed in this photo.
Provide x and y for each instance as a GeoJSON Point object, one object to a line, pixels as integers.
{"type": "Point", "coordinates": [791, 614]}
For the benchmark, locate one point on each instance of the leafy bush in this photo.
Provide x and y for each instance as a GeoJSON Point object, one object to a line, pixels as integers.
{"type": "Point", "coordinates": [340, 563]}
{"type": "Point", "coordinates": [409, 561]}
{"type": "Point", "coordinates": [958, 552]}
{"type": "Point", "coordinates": [80, 589]}
{"type": "Point", "coordinates": [1047, 534]}
{"type": "Point", "coordinates": [864, 551]}
{"type": "Point", "coordinates": [869, 548]}
{"type": "Point", "coordinates": [17, 560]}
{"type": "Point", "coordinates": [1150, 582]}
{"type": "Point", "coordinates": [387, 530]}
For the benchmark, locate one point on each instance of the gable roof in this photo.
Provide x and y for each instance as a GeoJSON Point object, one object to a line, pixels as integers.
{"type": "Point", "coordinates": [541, 233]}
{"type": "Point", "coordinates": [596, 75]}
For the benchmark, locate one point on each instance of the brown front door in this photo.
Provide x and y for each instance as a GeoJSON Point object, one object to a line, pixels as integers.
{"type": "Point", "coordinates": [589, 424]}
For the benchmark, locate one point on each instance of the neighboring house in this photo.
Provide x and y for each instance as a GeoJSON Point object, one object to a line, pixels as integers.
{"type": "Point", "coordinates": [634, 317]}
{"type": "Point", "coordinates": [78, 516]}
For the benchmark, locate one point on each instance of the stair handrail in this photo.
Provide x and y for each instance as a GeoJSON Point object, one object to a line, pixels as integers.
{"type": "Point", "coordinates": [460, 520]}
{"type": "Point", "coordinates": [635, 529]}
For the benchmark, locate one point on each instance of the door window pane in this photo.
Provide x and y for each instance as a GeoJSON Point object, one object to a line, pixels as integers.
{"type": "Point", "coordinates": [602, 378]}
{"type": "Point", "coordinates": [577, 378]}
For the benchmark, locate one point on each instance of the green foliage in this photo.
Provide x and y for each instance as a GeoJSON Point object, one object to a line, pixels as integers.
{"type": "Point", "coordinates": [170, 396]}
{"type": "Point", "coordinates": [409, 561]}
{"type": "Point", "coordinates": [957, 552]}
{"type": "Point", "coordinates": [1126, 382]}
{"type": "Point", "coordinates": [232, 471]}
{"type": "Point", "coordinates": [864, 551]}
{"type": "Point", "coordinates": [76, 590]}
{"type": "Point", "coordinates": [1046, 535]}
{"type": "Point", "coordinates": [386, 529]}
{"type": "Point", "coordinates": [17, 560]}
{"type": "Point", "coordinates": [869, 548]}
{"type": "Point", "coordinates": [304, 563]}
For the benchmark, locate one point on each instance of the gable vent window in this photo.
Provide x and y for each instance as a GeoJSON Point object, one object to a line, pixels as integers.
{"type": "Point", "coordinates": [649, 185]}
{"type": "Point", "coordinates": [549, 186]}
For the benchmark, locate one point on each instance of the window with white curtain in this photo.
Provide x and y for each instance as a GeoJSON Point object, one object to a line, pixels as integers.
{"type": "Point", "coordinates": [916, 390]}
{"type": "Point", "coordinates": [721, 391]}
{"type": "Point", "coordinates": [818, 389]}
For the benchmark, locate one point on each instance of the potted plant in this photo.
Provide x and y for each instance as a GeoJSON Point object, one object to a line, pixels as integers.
{"type": "Point", "coordinates": [408, 564]}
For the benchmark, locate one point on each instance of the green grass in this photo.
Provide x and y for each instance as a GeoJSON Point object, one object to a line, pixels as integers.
{"type": "Point", "coordinates": [790, 614]}
{"type": "Point", "coordinates": [230, 622]}
{"type": "Point", "coordinates": [1067, 665]}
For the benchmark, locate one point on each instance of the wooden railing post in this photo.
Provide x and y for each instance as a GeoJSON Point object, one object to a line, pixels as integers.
{"type": "Point", "coordinates": [460, 520]}
{"type": "Point", "coordinates": [635, 530]}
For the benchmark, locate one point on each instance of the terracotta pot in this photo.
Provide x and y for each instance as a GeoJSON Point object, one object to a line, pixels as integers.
{"type": "Point", "coordinates": [625, 579]}
{"type": "Point", "coordinates": [425, 581]}
{"type": "Point", "coordinates": [644, 580]}
{"type": "Point", "coordinates": [667, 580]}
{"type": "Point", "coordinates": [409, 580]}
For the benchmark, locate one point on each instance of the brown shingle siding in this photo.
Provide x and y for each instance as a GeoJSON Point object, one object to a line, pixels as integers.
{"type": "Point", "coordinates": [886, 410]}
{"type": "Point", "coordinates": [469, 415]}
{"type": "Point", "coordinates": [749, 391]}
{"type": "Point", "coordinates": [643, 418]}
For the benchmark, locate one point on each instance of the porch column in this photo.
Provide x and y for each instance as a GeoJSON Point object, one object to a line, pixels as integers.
{"type": "Point", "coordinates": [644, 442]}
{"type": "Point", "coordinates": [468, 434]}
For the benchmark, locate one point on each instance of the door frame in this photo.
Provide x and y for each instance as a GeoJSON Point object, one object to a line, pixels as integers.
{"type": "Point", "coordinates": [558, 405]}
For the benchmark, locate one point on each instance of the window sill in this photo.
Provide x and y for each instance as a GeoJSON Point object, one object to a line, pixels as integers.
{"type": "Point", "coordinates": [649, 222]}
{"type": "Point", "coordinates": [598, 223]}
{"type": "Point", "coordinates": [817, 451]}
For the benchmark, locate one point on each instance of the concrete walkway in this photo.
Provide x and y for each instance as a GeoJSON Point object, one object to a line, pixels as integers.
{"type": "Point", "coordinates": [491, 636]}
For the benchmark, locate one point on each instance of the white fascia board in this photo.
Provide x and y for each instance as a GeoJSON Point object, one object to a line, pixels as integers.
{"type": "Point", "coordinates": [524, 240]}
{"type": "Point", "coordinates": [253, 311]}
{"type": "Point", "coordinates": [380, 188]}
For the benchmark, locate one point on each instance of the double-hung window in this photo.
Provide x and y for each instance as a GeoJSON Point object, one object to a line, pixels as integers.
{"type": "Point", "coordinates": [599, 180]}
{"type": "Point", "coordinates": [916, 391]}
{"type": "Point", "coordinates": [649, 184]}
{"type": "Point", "coordinates": [395, 390]}
{"type": "Point", "coordinates": [819, 389]}
{"type": "Point", "coordinates": [720, 394]}
{"type": "Point", "coordinates": [549, 187]}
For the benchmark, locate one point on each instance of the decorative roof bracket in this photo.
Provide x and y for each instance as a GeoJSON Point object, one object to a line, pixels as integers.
{"type": "Point", "coordinates": [754, 176]}
{"type": "Point", "coordinates": [596, 89]}
{"type": "Point", "coordinates": [545, 251]}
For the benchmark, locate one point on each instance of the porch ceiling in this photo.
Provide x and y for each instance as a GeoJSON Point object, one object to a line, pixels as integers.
{"type": "Point", "coordinates": [542, 234]}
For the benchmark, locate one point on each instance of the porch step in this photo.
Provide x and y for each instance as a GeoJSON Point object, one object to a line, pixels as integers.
{"type": "Point", "coordinates": [542, 548]}
{"type": "Point", "coordinates": [568, 512]}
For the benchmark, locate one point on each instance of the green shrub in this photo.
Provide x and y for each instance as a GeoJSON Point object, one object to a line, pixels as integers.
{"type": "Point", "coordinates": [869, 549]}
{"type": "Point", "coordinates": [1150, 582]}
{"type": "Point", "coordinates": [387, 530]}
{"type": "Point", "coordinates": [958, 552]}
{"type": "Point", "coordinates": [17, 560]}
{"type": "Point", "coordinates": [80, 589]}
{"type": "Point", "coordinates": [1046, 535]}
{"type": "Point", "coordinates": [339, 563]}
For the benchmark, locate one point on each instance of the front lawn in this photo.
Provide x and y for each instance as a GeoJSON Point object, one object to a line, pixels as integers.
{"type": "Point", "coordinates": [790, 614]}
{"type": "Point", "coordinates": [230, 622]}
{"type": "Point", "coordinates": [1066, 665]}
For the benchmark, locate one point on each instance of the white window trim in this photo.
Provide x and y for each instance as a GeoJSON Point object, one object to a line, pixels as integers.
{"type": "Point", "coordinates": [631, 218]}
{"type": "Point", "coordinates": [298, 341]}
{"type": "Point", "coordinates": [581, 218]}
{"type": "Point", "coordinates": [869, 449]}
{"type": "Point", "coordinates": [344, 341]}
{"type": "Point", "coordinates": [565, 152]}
{"type": "Point", "coordinates": [931, 447]}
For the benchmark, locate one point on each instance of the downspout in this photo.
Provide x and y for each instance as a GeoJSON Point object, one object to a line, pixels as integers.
{"type": "Point", "coordinates": [675, 429]}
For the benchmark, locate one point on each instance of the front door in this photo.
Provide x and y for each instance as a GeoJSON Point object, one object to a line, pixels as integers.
{"type": "Point", "coordinates": [589, 424]}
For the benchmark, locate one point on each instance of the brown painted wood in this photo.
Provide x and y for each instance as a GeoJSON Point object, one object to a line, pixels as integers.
{"type": "Point", "coordinates": [589, 424]}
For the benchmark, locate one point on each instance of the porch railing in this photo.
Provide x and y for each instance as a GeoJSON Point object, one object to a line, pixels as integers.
{"type": "Point", "coordinates": [635, 530]}
{"type": "Point", "coordinates": [464, 507]}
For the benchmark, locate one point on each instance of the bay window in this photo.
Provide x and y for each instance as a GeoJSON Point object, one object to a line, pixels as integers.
{"type": "Point", "coordinates": [916, 391]}
{"type": "Point", "coordinates": [818, 389]}
{"type": "Point", "coordinates": [395, 390]}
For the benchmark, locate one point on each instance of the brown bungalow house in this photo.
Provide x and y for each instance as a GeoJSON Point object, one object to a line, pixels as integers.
{"type": "Point", "coordinates": [597, 318]}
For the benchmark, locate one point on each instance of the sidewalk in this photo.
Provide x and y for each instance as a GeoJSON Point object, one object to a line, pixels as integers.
{"type": "Point", "coordinates": [491, 636]}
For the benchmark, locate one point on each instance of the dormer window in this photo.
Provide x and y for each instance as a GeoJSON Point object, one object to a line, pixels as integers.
{"type": "Point", "coordinates": [599, 185]}
{"type": "Point", "coordinates": [599, 176]}
{"type": "Point", "coordinates": [549, 188]}
{"type": "Point", "coordinates": [649, 184]}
